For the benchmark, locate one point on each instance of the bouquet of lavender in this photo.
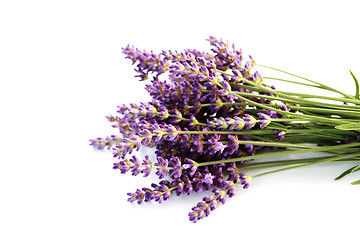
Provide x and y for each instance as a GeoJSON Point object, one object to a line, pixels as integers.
{"type": "Point", "coordinates": [212, 119]}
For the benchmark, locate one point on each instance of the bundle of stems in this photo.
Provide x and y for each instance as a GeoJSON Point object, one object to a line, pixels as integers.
{"type": "Point", "coordinates": [330, 128]}
{"type": "Point", "coordinates": [215, 119]}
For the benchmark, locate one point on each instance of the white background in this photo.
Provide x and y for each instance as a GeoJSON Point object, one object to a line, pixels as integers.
{"type": "Point", "coordinates": [62, 72]}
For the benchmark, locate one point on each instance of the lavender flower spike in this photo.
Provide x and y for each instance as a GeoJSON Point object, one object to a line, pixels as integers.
{"type": "Point", "coordinates": [203, 209]}
{"type": "Point", "coordinates": [135, 165]}
{"type": "Point", "coordinates": [191, 165]}
{"type": "Point", "coordinates": [101, 143]}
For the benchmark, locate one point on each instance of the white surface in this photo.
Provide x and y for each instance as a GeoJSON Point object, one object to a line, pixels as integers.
{"type": "Point", "coordinates": [62, 71]}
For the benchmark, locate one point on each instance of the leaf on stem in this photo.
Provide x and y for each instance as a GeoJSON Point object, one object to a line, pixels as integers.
{"type": "Point", "coordinates": [350, 170]}
{"type": "Point", "coordinates": [356, 85]}
{"type": "Point", "coordinates": [356, 182]}
{"type": "Point", "coordinates": [357, 168]}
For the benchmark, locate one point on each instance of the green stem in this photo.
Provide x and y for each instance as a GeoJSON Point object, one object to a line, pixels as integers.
{"type": "Point", "coordinates": [280, 163]}
{"type": "Point", "coordinates": [312, 103]}
{"type": "Point", "coordinates": [302, 95]}
{"type": "Point", "coordinates": [276, 144]}
{"type": "Point", "coordinates": [306, 79]}
{"type": "Point", "coordinates": [296, 100]}
{"type": "Point", "coordinates": [289, 81]}
{"type": "Point", "coordinates": [330, 159]}
{"type": "Point", "coordinates": [299, 100]}
{"type": "Point", "coordinates": [285, 113]}
{"type": "Point", "coordinates": [283, 152]}
{"type": "Point", "coordinates": [331, 111]}
{"type": "Point", "coordinates": [243, 132]}
{"type": "Point", "coordinates": [267, 131]}
{"type": "Point", "coordinates": [354, 113]}
{"type": "Point", "coordinates": [227, 103]}
{"type": "Point", "coordinates": [319, 119]}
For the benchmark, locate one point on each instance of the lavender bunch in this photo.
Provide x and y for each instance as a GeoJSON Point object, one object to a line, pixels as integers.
{"type": "Point", "coordinates": [212, 117]}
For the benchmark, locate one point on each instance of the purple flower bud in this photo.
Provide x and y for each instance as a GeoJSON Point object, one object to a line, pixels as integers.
{"type": "Point", "coordinates": [136, 166]}
{"type": "Point", "coordinates": [176, 116]}
{"type": "Point", "coordinates": [175, 164]}
{"type": "Point", "coordinates": [219, 195]}
{"type": "Point", "coordinates": [148, 194]}
{"type": "Point", "coordinates": [272, 114]}
{"type": "Point", "coordinates": [116, 166]}
{"type": "Point", "coordinates": [233, 145]}
{"type": "Point", "coordinates": [257, 78]}
{"type": "Point", "coordinates": [245, 180]}
{"type": "Point", "coordinates": [266, 120]}
{"type": "Point", "coordinates": [163, 168]}
{"type": "Point", "coordinates": [137, 196]}
{"type": "Point", "coordinates": [280, 135]}
{"type": "Point", "coordinates": [284, 108]}
{"type": "Point", "coordinates": [201, 60]}
{"type": "Point", "coordinates": [208, 179]}
{"type": "Point", "coordinates": [147, 140]}
{"type": "Point", "coordinates": [219, 147]}
{"type": "Point", "coordinates": [147, 166]}
{"type": "Point", "coordinates": [226, 85]}
{"type": "Point", "coordinates": [222, 92]}
{"type": "Point", "coordinates": [191, 165]}
{"type": "Point", "coordinates": [250, 121]}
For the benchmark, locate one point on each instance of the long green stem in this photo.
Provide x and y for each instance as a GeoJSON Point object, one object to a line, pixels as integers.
{"type": "Point", "coordinates": [299, 100]}
{"type": "Point", "coordinates": [289, 81]}
{"type": "Point", "coordinates": [320, 110]}
{"type": "Point", "coordinates": [330, 159]}
{"type": "Point", "coordinates": [302, 95]}
{"type": "Point", "coordinates": [331, 111]}
{"type": "Point", "coordinates": [280, 163]}
{"type": "Point", "coordinates": [284, 152]}
{"type": "Point", "coordinates": [306, 79]}
{"type": "Point", "coordinates": [289, 97]}
{"type": "Point", "coordinates": [271, 132]}
{"type": "Point", "coordinates": [285, 113]}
